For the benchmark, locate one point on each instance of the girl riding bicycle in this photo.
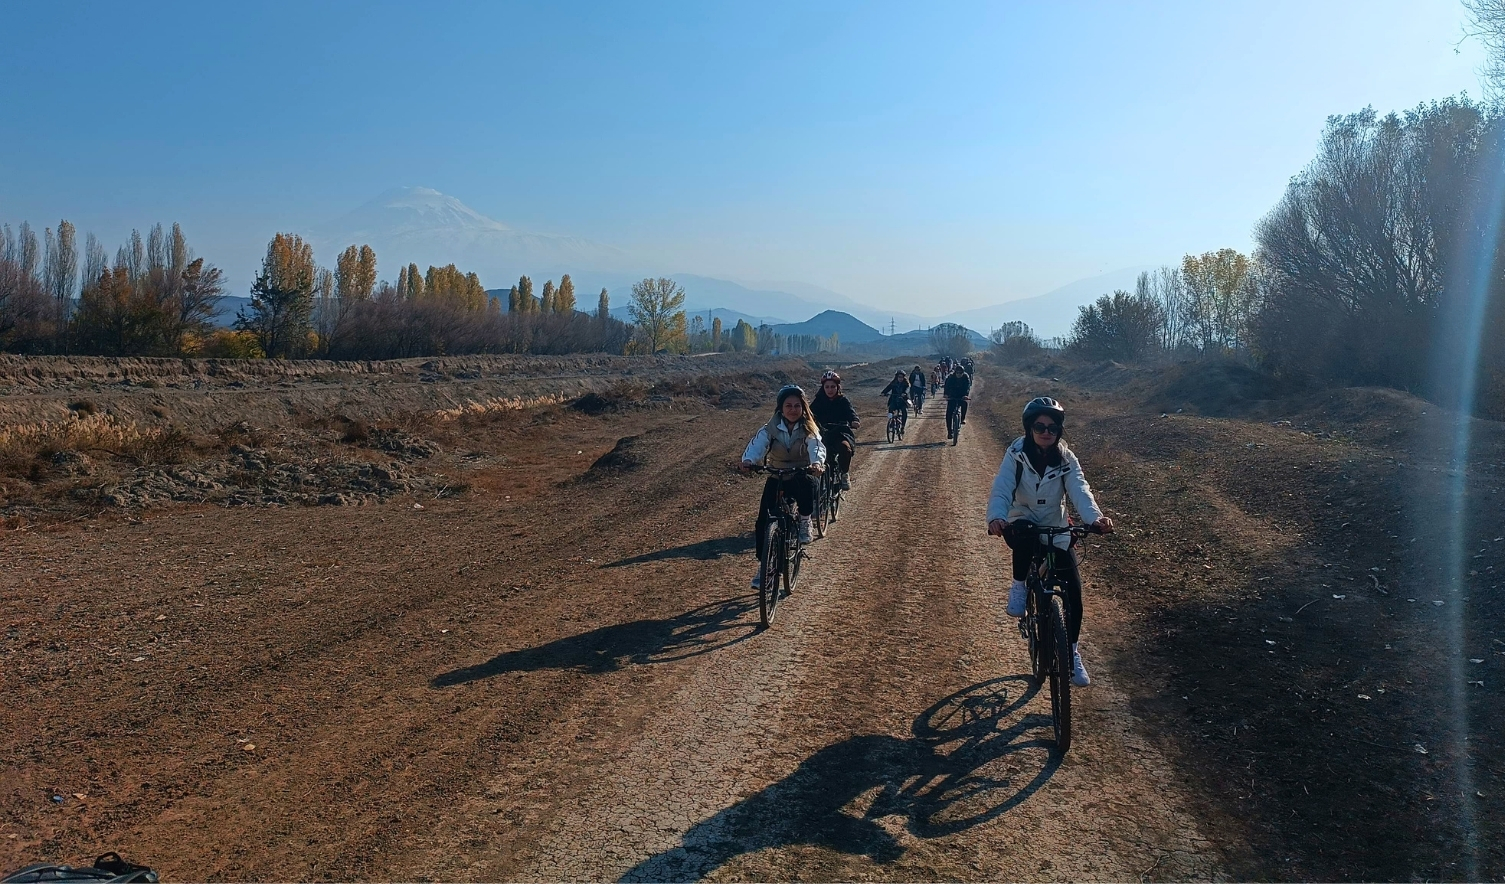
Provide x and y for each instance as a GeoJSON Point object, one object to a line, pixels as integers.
{"type": "Point", "coordinates": [897, 392]}
{"type": "Point", "coordinates": [1037, 475]}
{"type": "Point", "coordinates": [788, 441]}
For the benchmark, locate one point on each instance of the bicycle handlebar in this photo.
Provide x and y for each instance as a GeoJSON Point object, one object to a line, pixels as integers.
{"type": "Point", "coordinates": [781, 473]}
{"type": "Point", "coordinates": [1053, 531]}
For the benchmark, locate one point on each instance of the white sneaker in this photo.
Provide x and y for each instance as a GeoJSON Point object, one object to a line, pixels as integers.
{"type": "Point", "coordinates": [804, 529]}
{"type": "Point", "coordinates": [1078, 671]}
{"type": "Point", "coordinates": [757, 581]}
{"type": "Point", "coordinates": [1017, 593]}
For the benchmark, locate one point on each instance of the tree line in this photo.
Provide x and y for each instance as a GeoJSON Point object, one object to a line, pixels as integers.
{"type": "Point", "coordinates": [1362, 273]}
{"type": "Point", "coordinates": [155, 298]}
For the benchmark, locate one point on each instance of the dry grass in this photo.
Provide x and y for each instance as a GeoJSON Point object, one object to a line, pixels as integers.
{"type": "Point", "coordinates": [87, 431]}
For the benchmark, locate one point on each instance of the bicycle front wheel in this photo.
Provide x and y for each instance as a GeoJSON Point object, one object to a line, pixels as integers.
{"type": "Point", "coordinates": [772, 572]}
{"type": "Point", "coordinates": [1060, 675]}
{"type": "Point", "coordinates": [822, 505]}
{"type": "Point", "coordinates": [1038, 639]}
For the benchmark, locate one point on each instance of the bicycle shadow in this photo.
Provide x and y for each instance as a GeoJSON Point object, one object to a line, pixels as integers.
{"type": "Point", "coordinates": [914, 445]}
{"type": "Point", "coordinates": [971, 759]}
{"type": "Point", "coordinates": [705, 551]}
{"type": "Point", "coordinates": [700, 631]}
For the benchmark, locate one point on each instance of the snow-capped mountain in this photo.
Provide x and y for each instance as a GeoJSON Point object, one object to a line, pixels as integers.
{"type": "Point", "coordinates": [423, 226]}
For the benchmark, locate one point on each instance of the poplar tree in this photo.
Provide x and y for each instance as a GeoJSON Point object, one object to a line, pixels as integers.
{"type": "Point", "coordinates": [564, 298]}
{"type": "Point", "coordinates": [512, 301]}
{"type": "Point", "coordinates": [603, 306]}
{"type": "Point", "coordinates": [546, 302]}
{"type": "Point", "coordinates": [525, 301]}
{"type": "Point", "coordinates": [415, 283]}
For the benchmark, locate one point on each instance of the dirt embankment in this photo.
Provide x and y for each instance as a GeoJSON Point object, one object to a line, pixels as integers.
{"type": "Point", "coordinates": [82, 435]}
{"type": "Point", "coordinates": [1283, 566]}
{"type": "Point", "coordinates": [202, 395]}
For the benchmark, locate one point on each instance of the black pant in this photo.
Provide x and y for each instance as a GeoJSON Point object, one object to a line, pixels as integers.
{"type": "Point", "coordinates": [800, 486]}
{"type": "Point", "coordinates": [839, 448]}
{"type": "Point", "coordinates": [953, 406]}
{"type": "Point", "coordinates": [1024, 544]}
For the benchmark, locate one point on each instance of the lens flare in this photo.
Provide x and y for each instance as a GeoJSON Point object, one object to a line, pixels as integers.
{"type": "Point", "coordinates": [1457, 349]}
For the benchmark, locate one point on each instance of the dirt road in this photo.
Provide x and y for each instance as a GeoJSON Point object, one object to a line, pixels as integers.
{"type": "Point", "coordinates": [566, 682]}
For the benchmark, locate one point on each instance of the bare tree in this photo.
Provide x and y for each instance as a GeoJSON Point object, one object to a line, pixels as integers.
{"type": "Point", "coordinates": [950, 339]}
{"type": "Point", "coordinates": [1489, 26]}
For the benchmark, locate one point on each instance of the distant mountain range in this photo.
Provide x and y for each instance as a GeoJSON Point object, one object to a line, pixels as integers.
{"type": "Point", "coordinates": [423, 226]}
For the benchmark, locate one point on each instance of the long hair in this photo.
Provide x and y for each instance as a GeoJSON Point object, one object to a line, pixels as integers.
{"type": "Point", "coordinates": [808, 422]}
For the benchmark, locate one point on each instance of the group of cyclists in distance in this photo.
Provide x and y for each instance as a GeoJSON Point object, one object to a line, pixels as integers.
{"type": "Point", "coordinates": [1039, 473]}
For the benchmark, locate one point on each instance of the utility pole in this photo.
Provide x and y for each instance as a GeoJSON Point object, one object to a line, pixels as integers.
{"type": "Point", "coordinates": [890, 326]}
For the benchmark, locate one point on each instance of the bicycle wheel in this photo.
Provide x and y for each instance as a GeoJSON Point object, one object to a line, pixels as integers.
{"type": "Point", "coordinates": [792, 562]}
{"type": "Point", "coordinates": [836, 496]}
{"type": "Point", "coordinates": [1060, 675]}
{"type": "Point", "coordinates": [893, 428]}
{"type": "Point", "coordinates": [822, 505]}
{"type": "Point", "coordinates": [1037, 640]}
{"type": "Point", "coordinates": [772, 571]}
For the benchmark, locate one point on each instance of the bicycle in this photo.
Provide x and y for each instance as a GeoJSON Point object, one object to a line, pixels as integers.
{"type": "Point", "coordinates": [829, 493]}
{"type": "Point", "coordinates": [919, 401]}
{"type": "Point", "coordinates": [954, 420]}
{"type": "Point", "coordinates": [896, 425]}
{"type": "Point", "coordinates": [1044, 623]}
{"type": "Point", "coordinates": [783, 553]}
{"type": "Point", "coordinates": [828, 499]}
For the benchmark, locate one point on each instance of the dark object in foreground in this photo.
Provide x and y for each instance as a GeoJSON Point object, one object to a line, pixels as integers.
{"type": "Point", "coordinates": [108, 867]}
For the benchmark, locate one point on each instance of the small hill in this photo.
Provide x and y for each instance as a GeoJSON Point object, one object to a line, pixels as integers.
{"type": "Point", "coordinates": [848, 328]}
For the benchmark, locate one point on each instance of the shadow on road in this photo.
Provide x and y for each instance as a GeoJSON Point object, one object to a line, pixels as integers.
{"type": "Point", "coordinates": [701, 631]}
{"type": "Point", "coordinates": [705, 551]}
{"type": "Point", "coordinates": [941, 444]}
{"type": "Point", "coordinates": [970, 760]}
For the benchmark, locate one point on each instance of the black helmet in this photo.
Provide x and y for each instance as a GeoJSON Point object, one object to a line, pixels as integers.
{"type": "Point", "coordinates": [1044, 405]}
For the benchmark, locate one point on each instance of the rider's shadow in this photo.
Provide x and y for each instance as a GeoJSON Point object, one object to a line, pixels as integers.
{"type": "Point", "coordinates": [972, 758]}
{"type": "Point", "coordinates": [695, 632]}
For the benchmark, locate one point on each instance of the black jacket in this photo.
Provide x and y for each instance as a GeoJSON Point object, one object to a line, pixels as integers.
{"type": "Point", "coordinates": [898, 394]}
{"type": "Point", "coordinates": [958, 386]}
{"type": "Point", "coordinates": [830, 412]}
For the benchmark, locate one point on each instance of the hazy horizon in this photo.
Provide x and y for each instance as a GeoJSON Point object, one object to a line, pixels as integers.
{"type": "Point", "coordinates": [939, 159]}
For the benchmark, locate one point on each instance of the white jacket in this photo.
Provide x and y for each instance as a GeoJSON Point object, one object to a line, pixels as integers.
{"type": "Point", "coordinates": [757, 449]}
{"type": "Point", "coordinates": [1041, 499]}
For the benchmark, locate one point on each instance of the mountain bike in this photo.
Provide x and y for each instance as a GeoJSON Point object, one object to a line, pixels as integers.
{"type": "Point", "coordinates": [783, 554]}
{"type": "Point", "coordinates": [1044, 623]}
{"type": "Point", "coordinates": [828, 494]}
{"type": "Point", "coordinates": [896, 425]}
{"type": "Point", "coordinates": [954, 420]}
{"type": "Point", "coordinates": [919, 401]}
{"type": "Point", "coordinates": [827, 499]}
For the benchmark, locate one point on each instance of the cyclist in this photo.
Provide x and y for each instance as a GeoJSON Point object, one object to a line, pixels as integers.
{"type": "Point", "coordinates": [790, 439]}
{"type": "Point", "coordinates": [898, 396]}
{"type": "Point", "coordinates": [836, 418]}
{"type": "Point", "coordinates": [967, 364]}
{"type": "Point", "coordinates": [937, 377]}
{"type": "Point", "coordinates": [917, 388]}
{"type": "Point", "coordinates": [1036, 477]}
{"type": "Point", "coordinates": [958, 390]}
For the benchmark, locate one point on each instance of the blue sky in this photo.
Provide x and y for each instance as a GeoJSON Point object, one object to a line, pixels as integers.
{"type": "Point", "coordinates": [908, 155]}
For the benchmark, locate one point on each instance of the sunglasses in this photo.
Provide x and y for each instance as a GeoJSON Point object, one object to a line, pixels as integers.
{"type": "Point", "coordinates": [1052, 429]}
